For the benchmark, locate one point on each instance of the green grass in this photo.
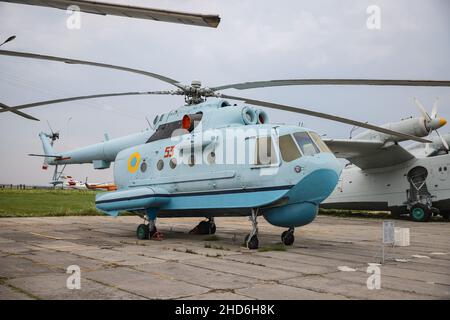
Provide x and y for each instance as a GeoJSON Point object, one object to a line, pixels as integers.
{"type": "Point", "coordinates": [355, 213]}
{"type": "Point", "coordinates": [42, 202]}
{"type": "Point", "coordinates": [274, 247]}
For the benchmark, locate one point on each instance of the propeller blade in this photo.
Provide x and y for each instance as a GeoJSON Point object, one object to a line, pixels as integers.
{"type": "Point", "coordinates": [434, 111]}
{"type": "Point", "coordinates": [338, 82]}
{"type": "Point", "coordinates": [41, 103]}
{"type": "Point", "coordinates": [90, 63]}
{"type": "Point", "coordinates": [444, 142]}
{"type": "Point", "coordinates": [105, 8]}
{"type": "Point", "coordinates": [325, 116]}
{"type": "Point", "coordinates": [13, 110]}
{"type": "Point", "coordinates": [422, 109]}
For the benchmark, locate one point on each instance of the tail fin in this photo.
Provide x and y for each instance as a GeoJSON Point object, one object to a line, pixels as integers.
{"type": "Point", "coordinates": [47, 146]}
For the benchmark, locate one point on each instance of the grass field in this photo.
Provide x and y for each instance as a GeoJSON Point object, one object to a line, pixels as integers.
{"type": "Point", "coordinates": [57, 202]}
{"type": "Point", "coordinates": [41, 202]}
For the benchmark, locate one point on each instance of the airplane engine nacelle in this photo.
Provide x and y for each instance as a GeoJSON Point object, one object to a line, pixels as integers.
{"type": "Point", "coordinates": [413, 126]}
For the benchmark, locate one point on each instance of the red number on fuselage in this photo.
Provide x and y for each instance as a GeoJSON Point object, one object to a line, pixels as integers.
{"type": "Point", "coordinates": [168, 152]}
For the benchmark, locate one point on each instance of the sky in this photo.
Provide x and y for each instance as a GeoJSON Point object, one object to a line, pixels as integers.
{"type": "Point", "coordinates": [256, 40]}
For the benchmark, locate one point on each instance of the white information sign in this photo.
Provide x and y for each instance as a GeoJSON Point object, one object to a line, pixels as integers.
{"type": "Point", "coordinates": [388, 232]}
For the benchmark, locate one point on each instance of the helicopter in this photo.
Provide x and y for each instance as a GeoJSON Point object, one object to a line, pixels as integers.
{"type": "Point", "coordinates": [211, 158]}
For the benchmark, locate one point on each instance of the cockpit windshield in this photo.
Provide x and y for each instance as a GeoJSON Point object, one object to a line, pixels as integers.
{"type": "Point", "coordinates": [319, 142]}
{"type": "Point", "coordinates": [305, 143]}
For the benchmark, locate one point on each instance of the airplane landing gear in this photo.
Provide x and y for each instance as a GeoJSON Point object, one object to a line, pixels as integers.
{"type": "Point", "coordinates": [251, 240]}
{"type": "Point", "coordinates": [287, 237]}
{"type": "Point", "coordinates": [420, 213]}
{"type": "Point", "coordinates": [205, 227]}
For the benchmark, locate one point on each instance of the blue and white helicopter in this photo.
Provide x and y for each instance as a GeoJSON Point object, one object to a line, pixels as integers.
{"type": "Point", "coordinates": [212, 158]}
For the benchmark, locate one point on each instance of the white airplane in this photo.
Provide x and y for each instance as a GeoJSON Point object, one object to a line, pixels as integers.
{"type": "Point", "coordinates": [382, 175]}
{"type": "Point", "coordinates": [68, 182]}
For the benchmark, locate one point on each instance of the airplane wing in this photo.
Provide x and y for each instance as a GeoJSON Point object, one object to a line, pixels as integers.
{"type": "Point", "coordinates": [368, 154]}
{"type": "Point", "coordinates": [105, 8]}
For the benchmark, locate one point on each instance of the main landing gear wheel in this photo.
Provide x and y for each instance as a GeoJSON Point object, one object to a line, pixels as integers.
{"type": "Point", "coordinates": [148, 231]}
{"type": "Point", "coordinates": [205, 227]}
{"type": "Point", "coordinates": [251, 240]}
{"type": "Point", "coordinates": [287, 237]}
{"type": "Point", "coordinates": [420, 213]}
{"type": "Point", "coordinates": [142, 232]}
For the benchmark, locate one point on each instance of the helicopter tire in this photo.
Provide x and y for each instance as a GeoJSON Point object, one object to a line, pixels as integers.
{"type": "Point", "coordinates": [253, 243]}
{"type": "Point", "coordinates": [420, 213]}
{"type": "Point", "coordinates": [143, 232]}
{"type": "Point", "coordinates": [212, 228]}
{"type": "Point", "coordinates": [287, 237]}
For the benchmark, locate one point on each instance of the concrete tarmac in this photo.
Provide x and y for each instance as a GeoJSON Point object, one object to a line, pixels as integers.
{"type": "Point", "coordinates": [329, 260]}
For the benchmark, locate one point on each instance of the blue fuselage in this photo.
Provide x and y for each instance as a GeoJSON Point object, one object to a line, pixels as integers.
{"type": "Point", "coordinates": [284, 171]}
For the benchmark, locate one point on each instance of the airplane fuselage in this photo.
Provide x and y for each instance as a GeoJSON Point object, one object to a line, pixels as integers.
{"type": "Point", "coordinates": [386, 188]}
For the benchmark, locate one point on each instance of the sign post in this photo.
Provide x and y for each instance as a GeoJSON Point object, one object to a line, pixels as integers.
{"type": "Point", "coordinates": [388, 236]}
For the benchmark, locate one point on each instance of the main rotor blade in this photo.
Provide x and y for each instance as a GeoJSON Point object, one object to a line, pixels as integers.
{"type": "Point", "coordinates": [13, 110]}
{"type": "Point", "coordinates": [324, 116]}
{"type": "Point", "coordinates": [104, 8]}
{"type": "Point", "coordinates": [336, 82]}
{"type": "Point", "coordinates": [90, 63]}
{"type": "Point", "coordinates": [41, 103]}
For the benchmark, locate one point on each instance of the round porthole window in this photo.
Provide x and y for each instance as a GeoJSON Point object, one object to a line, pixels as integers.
{"type": "Point", "coordinates": [173, 163]}
{"type": "Point", "coordinates": [211, 157]}
{"type": "Point", "coordinates": [160, 165]}
{"type": "Point", "coordinates": [143, 166]}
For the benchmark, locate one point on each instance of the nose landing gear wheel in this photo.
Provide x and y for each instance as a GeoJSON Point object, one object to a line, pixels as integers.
{"type": "Point", "coordinates": [142, 232]}
{"type": "Point", "coordinates": [287, 237]}
{"type": "Point", "coordinates": [253, 243]}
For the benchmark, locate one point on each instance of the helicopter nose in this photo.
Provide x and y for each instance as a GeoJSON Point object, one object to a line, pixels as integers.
{"type": "Point", "coordinates": [321, 176]}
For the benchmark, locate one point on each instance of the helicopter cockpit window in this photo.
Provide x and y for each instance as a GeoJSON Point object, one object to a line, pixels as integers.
{"type": "Point", "coordinates": [265, 151]}
{"type": "Point", "coordinates": [288, 148]}
{"type": "Point", "coordinates": [305, 143]}
{"type": "Point", "coordinates": [319, 142]}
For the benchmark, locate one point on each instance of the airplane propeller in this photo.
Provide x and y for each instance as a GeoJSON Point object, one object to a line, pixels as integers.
{"type": "Point", "coordinates": [195, 93]}
{"type": "Point", "coordinates": [432, 122]}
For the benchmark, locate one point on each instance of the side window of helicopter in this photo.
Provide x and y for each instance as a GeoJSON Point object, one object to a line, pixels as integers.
{"type": "Point", "coordinates": [288, 148]}
{"type": "Point", "coordinates": [305, 143]}
{"type": "Point", "coordinates": [319, 142]}
{"type": "Point", "coordinates": [265, 151]}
